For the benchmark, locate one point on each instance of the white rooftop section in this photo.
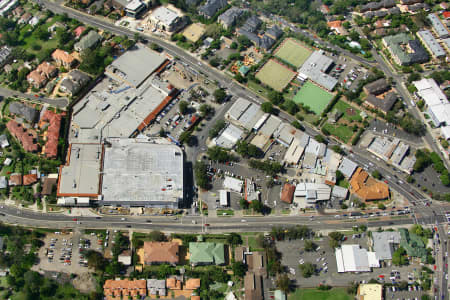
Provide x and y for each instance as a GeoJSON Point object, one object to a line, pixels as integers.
{"type": "Point", "coordinates": [141, 172]}
{"type": "Point", "coordinates": [229, 137]}
{"type": "Point", "coordinates": [339, 192]}
{"type": "Point", "coordinates": [286, 134]}
{"type": "Point", "coordinates": [352, 258]}
{"type": "Point", "coordinates": [383, 243]}
{"type": "Point", "coordinates": [165, 15]}
{"type": "Point", "coordinates": [313, 192]}
{"type": "Point", "coordinates": [134, 5]}
{"type": "Point", "coordinates": [294, 152]}
{"type": "Point", "coordinates": [270, 126]}
{"type": "Point", "coordinates": [223, 197]}
{"type": "Point", "coordinates": [435, 100]}
{"type": "Point", "coordinates": [237, 109]}
{"type": "Point", "coordinates": [445, 132]}
{"type": "Point", "coordinates": [315, 68]}
{"type": "Point", "coordinates": [233, 184]}
{"type": "Point", "coordinates": [347, 167]}
{"type": "Point", "coordinates": [135, 65]}
{"type": "Point", "coordinates": [246, 114]}
{"type": "Point", "coordinates": [81, 174]}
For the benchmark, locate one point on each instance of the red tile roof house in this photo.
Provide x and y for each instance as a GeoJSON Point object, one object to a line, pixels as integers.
{"type": "Point", "coordinates": [63, 58]}
{"type": "Point", "coordinates": [23, 135]}
{"type": "Point", "coordinates": [79, 31]}
{"type": "Point", "coordinates": [36, 79]}
{"type": "Point", "coordinates": [52, 134]}
{"type": "Point", "coordinates": [29, 179]}
{"type": "Point", "coordinates": [42, 73]}
{"type": "Point", "coordinates": [15, 179]}
{"type": "Point", "coordinates": [161, 252]}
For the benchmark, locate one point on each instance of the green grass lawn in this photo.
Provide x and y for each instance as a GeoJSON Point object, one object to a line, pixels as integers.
{"type": "Point", "coordinates": [343, 106]}
{"type": "Point", "coordinates": [293, 52]}
{"type": "Point", "coordinates": [258, 88]}
{"type": "Point", "coordinates": [227, 212]}
{"type": "Point", "coordinates": [314, 97]}
{"type": "Point", "coordinates": [342, 132]}
{"type": "Point", "coordinates": [314, 294]}
{"type": "Point", "coordinates": [275, 75]}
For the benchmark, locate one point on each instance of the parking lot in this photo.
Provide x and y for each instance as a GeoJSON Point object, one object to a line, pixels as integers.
{"type": "Point", "coordinates": [293, 255]}
{"type": "Point", "coordinates": [64, 251]}
{"type": "Point", "coordinates": [348, 72]}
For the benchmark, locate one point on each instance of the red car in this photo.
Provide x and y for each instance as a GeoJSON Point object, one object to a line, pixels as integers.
{"type": "Point", "coordinates": [75, 219]}
{"type": "Point", "coordinates": [206, 225]}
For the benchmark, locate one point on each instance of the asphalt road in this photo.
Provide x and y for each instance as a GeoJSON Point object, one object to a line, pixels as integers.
{"type": "Point", "coordinates": [59, 102]}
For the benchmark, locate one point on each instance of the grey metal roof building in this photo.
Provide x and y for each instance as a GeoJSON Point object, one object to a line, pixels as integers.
{"type": "Point", "coordinates": [384, 104]}
{"type": "Point", "coordinates": [5, 55]}
{"type": "Point", "coordinates": [141, 172]}
{"type": "Point", "coordinates": [347, 167]}
{"type": "Point", "coordinates": [211, 7]}
{"type": "Point", "coordinates": [274, 32]}
{"type": "Point", "coordinates": [431, 43]}
{"type": "Point", "coordinates": [3, 182]}
{"type": "Point", "coordinates": [316, 68]}
{"type": "Point", "coordinates": [80, 177]}
{"type": "Point", "coordinates": [439, 28]}
{"type": "Point", "coordinates": [135, 65]}
{"type": "Point", "coordinates": [252, 24]}
{"type": "Point", "coordinates": [28, 113]}
{"type": "Point", "coordinates": [384, 242]}
{"type": "Point", "coordinates": [376, 87]}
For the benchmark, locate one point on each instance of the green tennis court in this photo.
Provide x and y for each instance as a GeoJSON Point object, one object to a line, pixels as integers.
{"type": "Point", "coordinates": [293, 52]}
{"type": "Point", "coordinates": [275, 75]}
{"type": "Point", "coordinates": [314, 97]}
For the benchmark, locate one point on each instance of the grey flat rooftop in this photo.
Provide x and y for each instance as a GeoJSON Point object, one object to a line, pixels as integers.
{"type": "Point", "coordinates": [140, 172]}
{"type": "Point", "coordinates": [315, 67]}
{"type": "Point", "coordinates": [238, 108]}
{"type": "Point", "coordinates": [431, 43]}
{"type": "Point", "coordinates": [438, 26]}
{"type": "Point", "coordinates": [81, 175]}
{"type": "Point", "coordinates": [270, 126]}
{"type": "Point", "coordinates": [165, 15]}
{"type": "Point", "coordinates": [135, 65]}
{"type": "Point", "coordinates": [347, 167]}
{"type": "Point", "coordinates": [108, 114]}
{"type": "Point", "coordinates": [383, 243]}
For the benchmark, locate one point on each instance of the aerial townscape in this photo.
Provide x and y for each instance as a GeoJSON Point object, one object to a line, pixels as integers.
{"type": "Point", "coordinates": [215, 149]}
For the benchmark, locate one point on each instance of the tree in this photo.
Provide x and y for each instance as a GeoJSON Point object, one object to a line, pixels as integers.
{"type": "Point", "coordinates": [239, 268]}
{"type": "Point", "coordinates": [257, 206]}
{"type": "Point", "coordinates": [307, 269]}
{"type": "Point", "coordinates": [399, 257]}
{"type": "Point", "coordinates": [206, 110]}
{"type": "Point", "coordinates": [320, 139]}
{"type": "Point", "coordinates": [219, 95]}
{"type": "Point", "coordinates": [267, 107]}
{"type": "Point", "coordinates": [234, 239]}
{"type": "Point", "coordinates": [283, 283]}
{"type": "Point", "coordinates": [95, 260]}
{"type": "Point", "coordinates": [215, 62]}
{"type": "Point", "coordinates": [233, 45]}
{"type": "Point", "coordinates": [216, 128]}
{"type": "Point", "coordinates": [162, 132]}
{"type": "Point", "coordinates": [335, 238]}
{"type": "Point", "coordinates": [156, 236]}
{"type": "Point", "coordinates": [201, 178]}
{"type": "Point", "coordinates": [376, 174]}
{"type": "Point", "coordinates": [156, 47]}
{"type": "Point", "coordinates": [183, 107]}
{"type": "Point", "coordinates": [276, 97]}
{"type": "Point", "coordinates": [310, 246]}
{"type": "Point", "coordinates": [337, 149]}
{"type": "Point", "coordinates": [247, 150]}
{"type": "Point", "coordinates": [297, 125]}
{"type": "Point", "coordinates": [381, 206]}
{"type": "Point", "coordinates": [219, 154]}
{"type": "Point", "coordinates": [243, 203]}
{"type": "Point", "coordinates": [290, 106]}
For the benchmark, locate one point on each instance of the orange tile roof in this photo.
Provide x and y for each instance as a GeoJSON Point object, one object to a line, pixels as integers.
{"type": "Point", "coordinates": [79, 30]}
{"type": "Point", "coordinates": [161, 252]}
{"type": "Point", "coordinates": [125, 287]}
{"type": "Point", "coordinates": [192, 284]}
{"type": "Point", "coordinates": [51, 145]}
{"type": "Point", "coordinates": [15, 179]}
{"type": "Point", "coordinates": [24, 136]}
{"type": "Point", "coordinates": [446, 14]}
{"type": "Point", "coordinates": [36, 78]}
{"type": "Point", "coordinates": [195, 298]}
{"type": "Point", "coordinates": [287, 193]}
{"type": "Point", "coordinates": [173, 283]}
{"type": "Point", "coordinates": [46, 69]}
{"type": "Point", "coordinates": [335, 24]}
{"type": "Point", "coordinates": [62, 56]}
{"type": "Point", "coordinates": [367, 188]}
{"type": "Point", "coordinates": [29, 179]}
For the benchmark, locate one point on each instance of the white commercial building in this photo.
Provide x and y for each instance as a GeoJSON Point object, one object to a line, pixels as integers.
{"type": "Point", "coordinates": [347, 167]}
{"type": "Point", "coordinates": [167, 19]}
{"type": "Point", "coordinates": [437, 103]}
{"type": "Point", "coordinates": [229, 137]}
{"type": "Point", "coordinates": [352, 258]}
{"type": "Point", "coordinates": [233, 184]}
{"type": "Point", "coordinates": [224, 197]}
{"type": "Point", "coordinates": [307, 194]}
{"type": "Point", "coordinates": [315, 68]}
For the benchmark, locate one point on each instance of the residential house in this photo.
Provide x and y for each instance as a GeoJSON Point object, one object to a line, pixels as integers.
{"type": "Point", "coordinates": [161, 252]}
{"type": "Point", "coordinates": [156, 287]}
{"type": "Point", "coordinates": [73, 83]}
{"type": "Point", "coordinates": [29, 179]}
{"type": "Point", "coordinates": [18, 12]}
{"type": "Point", "coordinates": [404, 50]}
{"type": "Point", "coordinates": [229, 17]}
{"type": "Point", "coordinates": [125, 257]}
{"type": "Point", "coordinates": [383, 104]}
{"type": "Point", "coordinates": [287, 193]}
{"type": "Point", "coordinates": [173, 283]}
{"type": "Point", "coordinates": [125, 288]}
{"type": "Point", "coordinates": [15, 179]}
{"type": "Point", "coordinates": [78, 31]}
{"type": "Point", "coordinates": [204, 253]}
{"type": "Point", "coordinates": [25, 18]}
{"type": "Point", "coordinates": [51, 136]}
{"type": "Point", "coordinates": [239, 253]}
{"type": "Point", "coordinates": [36, 79]}
{"type": "Point", "coordinates": [23, 135]}
{"type": "Point", "coordinates": [211, 7]}
{"type": "Point", "coordinates": [34, 21]}
{"type": "Point", "coordinates": [48, 184]}
{"type": "Point", "coordinates": [41, 74]}
{"type": "Point", "coordinates": [28, 113]}
{"type": "Point", "coordinates": [252, 24]}
{"type": "Point", "coordinates": [63, 58]}
{"type": "Point", "coordinates": [337, 27]}
{"type": "Point", "coordinates": [3, 182]}
{"type": "Point", "coordinates": [57, 25]}
{"type": "Point", "coordinates": [135, 8]}
{"type": "Point", "coordinates": [88, 41]}
{"type": "Point", "coordinates": [192, 284]}
{"type": "Point", "coordinates": [5, 55]}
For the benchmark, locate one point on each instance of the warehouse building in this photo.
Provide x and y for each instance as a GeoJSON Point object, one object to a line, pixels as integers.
{"type": "Point", "coordinates": [352, 258]}
{"type": "Point", "coordinates": [308, 194]}
{"type": "Point", "coordinates": [385, 243]}
{"type": "Point", "coordinates": [431, 43]}
{"type": "Point", "coordinates": [229, 137]}
{"type": "Point", "coordinates": [436, 102]}
{"type": "Point", "coordinates": [347, 167]}
{"type": "Point", "coordinates": [296, 149]}
{"type": "Point", "coordinates": [233, 184]}
{"type": "Point", "coordinates": [316, 68]}
{"type": "Point", "coordinates": [141, 172]}
{"type": "Point", "coordinates": [246, 114]}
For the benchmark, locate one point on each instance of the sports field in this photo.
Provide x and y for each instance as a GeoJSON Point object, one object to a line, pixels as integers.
{"type": "Point", "coordinates": [275, 75]}
{"type": "Point", "coordinates": [314, 294]}
{"type": "Point", "coordinates": [293, 52]}
{"type": "Point", "coordinates": [313, 96]}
